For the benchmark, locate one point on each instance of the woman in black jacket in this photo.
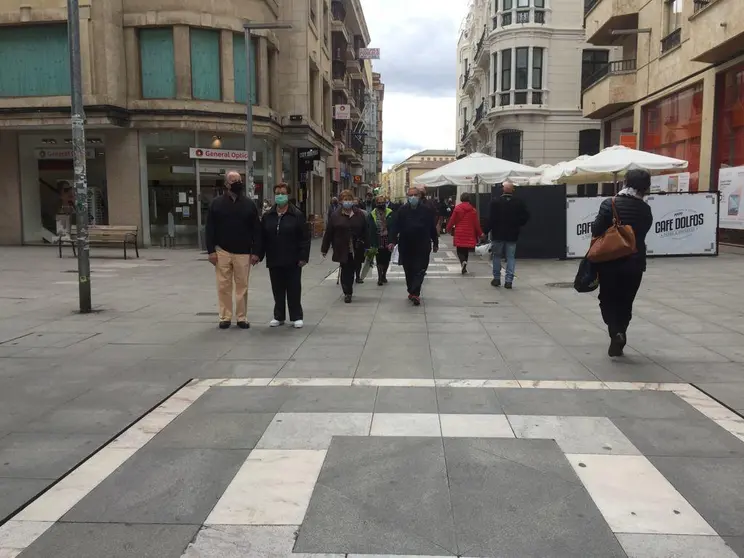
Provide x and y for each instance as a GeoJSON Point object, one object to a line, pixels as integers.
{"type": "Point", "coordinates": [619, 280]}
{"type": "Point", "coordinates": [286, 246]}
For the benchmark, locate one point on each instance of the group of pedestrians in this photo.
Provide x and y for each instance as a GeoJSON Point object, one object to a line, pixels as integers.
{"type": "Point", "coordinates": [238, 238]}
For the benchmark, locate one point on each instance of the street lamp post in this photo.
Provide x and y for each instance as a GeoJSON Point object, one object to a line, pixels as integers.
{"type": "Point", "coordinates": [77, 113]}
{"type": "Point", "coordinates": [248, 28]}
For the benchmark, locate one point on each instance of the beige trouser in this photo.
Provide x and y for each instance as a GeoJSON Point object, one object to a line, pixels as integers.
{"type": "Point", "coordinates": [237, 268]}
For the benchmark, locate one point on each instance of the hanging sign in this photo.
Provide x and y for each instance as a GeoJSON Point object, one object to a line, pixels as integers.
{"type": "Point", "coordinates": [369, 54]}
{"type": "Point", "coordinates": [63, 154]}
{"type": "Point", "coordinates": [731, 189]}
{"type": "Point", "coordinates": [342, 112]}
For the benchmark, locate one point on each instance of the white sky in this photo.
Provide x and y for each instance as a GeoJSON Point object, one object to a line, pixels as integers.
{"type": "Point", "coordinates": [418, 40]}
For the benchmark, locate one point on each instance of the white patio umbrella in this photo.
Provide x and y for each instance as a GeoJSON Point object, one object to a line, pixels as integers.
{"type": "Point", "coordinates": [556, 173]}
{"type": "Point", "coordinates": [613, 162]}
{"type": "Point", "coordinates": [473, 169]}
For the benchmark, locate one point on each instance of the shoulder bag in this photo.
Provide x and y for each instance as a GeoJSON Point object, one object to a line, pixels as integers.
{"type": "Point", "coordinates": [617, 242]}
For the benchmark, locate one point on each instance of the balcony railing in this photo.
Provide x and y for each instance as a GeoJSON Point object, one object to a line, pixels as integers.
{"type": "Point", "coordinates": [517, 98]}
{"type": "Point", "coordinates": [698, 5]}
{"type": "Point", "coordinates": [464, 131]}
{"type": "Point", "coordinates": [479, 113]}
{"type": "Point", "coordinates": [465, 77]}
{"type": "Point", "coordinates": [339, 70]}
{"type": "Point", "coordinates": [479, 46]}
{"type": "Point", "coordinates": [674, 39]}
{"type": "Point", "coordinates": [521, 16]}
{"type": "Point", "coordinates": [338, 11]}
{"type": "Point", "coordinates": [614, 67]}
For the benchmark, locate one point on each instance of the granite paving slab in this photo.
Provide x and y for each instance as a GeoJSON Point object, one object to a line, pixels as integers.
{"type": "Point", "coordinates": [729, 393]}
{"type": "Point", "coordinates": [460, 400]}
{"type": "Point", "coordinates": [15, 492]}
{"type": "Point", "coordinates": [674, 546]}
{"type": "Point", "coordinates": [406, 400]}
{"type": "Point", "coordinates": [44, 455]}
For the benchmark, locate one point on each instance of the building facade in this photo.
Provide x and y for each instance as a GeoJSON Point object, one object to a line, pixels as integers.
{"type": "Point", "coordinates": [670, 79]}
{"type": "Point", "coordinates": [379, 89]}
{"type": "Point", "coordinates": [165, 86]}
{"type": "Point", "coordinates": [353, 102]}
{"type": "Point", "coordinates": [519, 70]}
{"type": "Point", "coordinates": [401, 176]}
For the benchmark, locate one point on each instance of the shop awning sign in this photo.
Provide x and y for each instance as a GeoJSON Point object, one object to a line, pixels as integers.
{"type": "Point", "coordinates": [63, 154]}
{"type": "Point", "coordinates": [219, 154]}
{"type": "Point", "coordinates": [342, 112]}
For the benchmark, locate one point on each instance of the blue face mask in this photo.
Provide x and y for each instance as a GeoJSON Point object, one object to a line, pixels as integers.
{"type": "Point", "coordinates": [347, 204]}
{"type": "Point", "coordinates": [413, 200]}
{"type": "Point", "coordinates": [281, 199]}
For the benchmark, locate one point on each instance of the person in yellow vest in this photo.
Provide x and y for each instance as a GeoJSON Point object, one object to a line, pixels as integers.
{"type": "Point", "coordinates": [380, 220]}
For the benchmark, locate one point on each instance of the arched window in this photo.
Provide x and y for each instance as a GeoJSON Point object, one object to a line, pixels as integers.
{"type": "Point", "coordinates": [509, 145]}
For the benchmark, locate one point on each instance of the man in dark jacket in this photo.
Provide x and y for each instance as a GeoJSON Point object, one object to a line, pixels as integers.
{"type": "Point", "coordinates": [414, 232]}
{"type": "Point", "coordinates": [507, 216]}
{"type": "Point", "coordinates": [619, 280]}
{"type": "Point", "coordinates": [286, 246]}
{"type": "Point", "coordinates": [233, 236]}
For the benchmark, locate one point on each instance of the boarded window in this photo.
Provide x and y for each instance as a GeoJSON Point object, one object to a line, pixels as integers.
{"type": "Point", "coordinates": [205, 65]}
{"type": "Point", "coordinates": [240, 67]}
{"type": "Point", "coordinates": [157, 61]}
{"type": "Point", "coordinates": [34, 61]}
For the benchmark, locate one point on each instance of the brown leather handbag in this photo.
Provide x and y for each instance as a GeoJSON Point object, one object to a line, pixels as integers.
{"type": "Point", "coordinates": [617, 242]}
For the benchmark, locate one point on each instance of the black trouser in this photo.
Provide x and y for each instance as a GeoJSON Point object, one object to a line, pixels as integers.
{"type": "Point", "coordinates": [286, 283]}
{"type": "Point", "coordinates": [359, 262]}
{"type": "Point", "coordinates": [383, 261]}
{"type": "Point", "coordinates": [618, 286]}
{"type": "Point", "coordinates": [462, 254]}
{"type": "Point", "coordinates": [348, 272]}
{"type": "Point", "coordinates": [414, 278]}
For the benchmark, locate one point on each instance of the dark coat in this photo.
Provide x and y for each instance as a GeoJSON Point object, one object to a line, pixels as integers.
{"type": "Point", "coordinates": [233, 225]}
{"type": "Point", "coordinates": [634, 212]}
{"type": "Point", "coordinates": [507, 215]}
{"type": "Point", "coordinates": [342, 229]}
{"type": "Point", "coordinates": [286, 241]}
{"type": "Point", "coordinates": [414, 231]}
{"type": "Point", "coordinates": [373, 227]}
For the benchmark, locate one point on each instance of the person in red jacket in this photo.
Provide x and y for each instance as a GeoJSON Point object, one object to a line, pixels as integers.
{"type": "Point", "coordinates": [465, 222]}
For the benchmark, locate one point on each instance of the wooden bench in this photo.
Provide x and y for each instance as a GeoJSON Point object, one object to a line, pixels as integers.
{"type": "Point", "coordinates": [104, 235]}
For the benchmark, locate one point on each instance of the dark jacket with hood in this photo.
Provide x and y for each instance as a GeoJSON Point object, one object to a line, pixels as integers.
{"type": "Point", "coordinates": [285, 238]}
{"type": "Point", "coordinates": [233, 225]}
{"type": "Point", "coordinates": [507, 215]}
{"type": "Point", "coordinates": [632, 211]}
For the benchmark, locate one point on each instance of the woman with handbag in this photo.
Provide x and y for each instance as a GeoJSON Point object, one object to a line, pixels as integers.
{"type": "Point", "coordinates": [619, 252]}
{"type": "Point", "coordinates": [467, 230]}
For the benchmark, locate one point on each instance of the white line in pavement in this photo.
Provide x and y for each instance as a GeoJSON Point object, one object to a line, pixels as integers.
{"type": "Point", "coordinates": [32, 522]}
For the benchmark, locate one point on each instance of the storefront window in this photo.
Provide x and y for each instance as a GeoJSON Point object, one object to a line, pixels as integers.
{"type": "Point", "coordinates": [730, 116]}
{"type": "Point", "coordinates": [48, 195]}
{"type": "Point", "coordinates": [672, 126]}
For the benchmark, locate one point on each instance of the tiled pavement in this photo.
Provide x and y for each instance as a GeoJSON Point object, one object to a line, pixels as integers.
{"type": "Point", "coordinates": [485, 423]}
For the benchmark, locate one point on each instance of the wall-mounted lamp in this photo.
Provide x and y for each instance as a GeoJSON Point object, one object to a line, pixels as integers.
{"type": "Point", "coordinates": [216, 142]}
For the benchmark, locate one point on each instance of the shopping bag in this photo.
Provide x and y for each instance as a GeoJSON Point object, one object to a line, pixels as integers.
{"type": "Point", "coordinates": [483, 250]}
{"type": "Point", "coordinates": [587, 279]}
{"type": "Point", "coordinates": [395, 258]}
{"type": "Point", "coordinates": [617, 242]}
{"type": "Point", "coordinates": [368, 262]}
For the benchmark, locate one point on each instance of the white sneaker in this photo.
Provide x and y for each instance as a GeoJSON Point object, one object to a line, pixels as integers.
{"type": "Point", "coordinates": [275, 323]}
{"type": "Point", "coordinates": [298, 324]}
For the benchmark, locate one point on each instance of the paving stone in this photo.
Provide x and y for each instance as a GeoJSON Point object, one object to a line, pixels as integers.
{"type": "Point", "coordinates": [736, 544]}
{"type": "Point", "coordinates": [44, 455]}
{"type": "Point", "coordinates": [559, 402]}
{"type": "Point", "coordinates": [113, 540]}
{"type": "Point", "coordinates": [149, 488]}
{"type": "Point", "coordinates": [90, 421]}
{"type": "Point", "coordinates": [475, 426]}
{"type": "Point", "coordinates": [242, 400]}
{"type": "Point", "coordinates": [14, 493]}
{"type": "Point", "coordinates": [241, 369]}
{"type": "Point", "coordinates": [406, 400]}
{"type": "Point", "coordinates": [380, 496]}
{"type": "Point", "coordinates": [194, 429]}
{"type": "Point", "coordinates": [405, 424]}
{"type": "Point", "coordinates": [551, 370]}
{"type": "Point", "coordinates": [709, 373]}
{"type": "Point", "coordinates": [521, 498]}
{"type": "Point", "coordinates": [318, 369]}
{"type": "Point", "coordinates": [680, 438]}
{"type": "Point", "coordinates": [714, 487]}
{"type": "Point", "coordinates": [312, 431]}
{"type": "Point", "coordinates": [459, 400]}
{"type": "Point", "coordinates": [330, 400]}
{"type": "Point", "coordinates": [674, 546]}
{"type": "Point", "coordinates": [729, 393]}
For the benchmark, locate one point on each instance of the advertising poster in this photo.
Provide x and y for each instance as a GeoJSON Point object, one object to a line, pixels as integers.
{"type": "Point", "coordinates": [580, 214]}
{"type": "Point", "coordinates": [731, 188]}
{"type": "Point", "coordinates": [684, 224]}
{"type": "Point", "coordinates": [670, 183]}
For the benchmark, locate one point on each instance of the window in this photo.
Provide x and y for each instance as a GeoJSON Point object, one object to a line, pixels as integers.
{"type": "Point", "coordinates": [157, 62]}
{"type": "Point", "coordinates": [593, 62]}
{"type": "Point", "coordinates": [506, 61]}
{"type": "Point", "coordinates": [325, 25]}
{"type": "Point", "coordinates": [239, 63]}
{"type": "Point", "coordinates": [509, 145]}
{"type": "Point", "coordinates": [673, 15]}
{"type": "Point", "coordinates": [523, 3]}
{"type": "Point", "coordinates": [494, 68]}
{"type": "Point", "coordinates": [39, 64]}
{"type": "Point", "coordinates": [506, 17]}
{"type": "Point", "coordinates": [522, 73]}
{"type": "Point", "coordinates": [730, 119]}
{"type": "Point", "coordinates": [206, 80]}
{"type": "Point", "coordinates": [537, 68]}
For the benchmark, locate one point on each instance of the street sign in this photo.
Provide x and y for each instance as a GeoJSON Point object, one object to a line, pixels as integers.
{"type": "Point", "coordinates": [369, 150]}
{"type": "Point", "coordinates": [369, 54]}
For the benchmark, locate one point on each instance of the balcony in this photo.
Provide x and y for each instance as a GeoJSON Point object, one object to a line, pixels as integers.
{"type": "Point", "coordinates": [718, 31]}
{"type": "Point", "coordinates": [354, 67]}
{"type": "Point", "coordinates": [610, 89]}
{"type": "Point", "coordinates": [465, 77]}
{"type": "Point", "coordinates": [602, 16]}
{"type": "Point", "coordinates": [338, 11]}
{"type": "Point", "coordinates": [464, 131]}
{"type": "Point", "coordinates": [671, 41]}
{"type": "Point", "coordinates": [520, 16]}
{"type": "Point", "coordinates": [479, 46]}
{"type": "Point", "coordinates": [479, 112]}
{"type": "Point", "coordinates": [522, 101]}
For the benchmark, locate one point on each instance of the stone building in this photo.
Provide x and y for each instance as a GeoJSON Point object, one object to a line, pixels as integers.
{"type": "Point", "coordinates": [402, 176]}
{"type": "Point", "coordinates": [165, 87]}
